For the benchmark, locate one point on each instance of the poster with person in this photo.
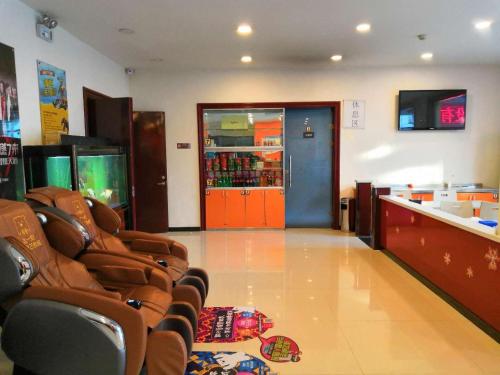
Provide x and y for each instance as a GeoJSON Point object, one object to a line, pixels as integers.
{"type": "Point", "coordinates": [53, 103]}
{"type": "Point", "coordinates": [11, 166]}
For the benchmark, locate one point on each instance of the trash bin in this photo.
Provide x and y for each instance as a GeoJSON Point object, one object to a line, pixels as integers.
{"type": "Point", "coordinates": [344, 214]}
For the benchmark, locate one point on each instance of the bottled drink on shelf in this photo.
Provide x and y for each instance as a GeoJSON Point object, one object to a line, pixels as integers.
{"type": "Point", "coordinates": [223, 162]}
{"type": "Point", "coordinates": [246, 163]}
{"type": "Point", "coordinates": [216, 163]}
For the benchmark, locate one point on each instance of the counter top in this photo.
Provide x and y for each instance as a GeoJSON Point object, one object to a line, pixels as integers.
{"type": "Point", "coordinates": [459, 222]}
{"type": "Point", "coordinates": [423, 190]}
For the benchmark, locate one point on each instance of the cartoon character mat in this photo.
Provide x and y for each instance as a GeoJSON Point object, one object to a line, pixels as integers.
{"type": "Point", "coordinates": [231, 324]}
{"type": "Point", "coordinates": [280, 349]}
{"type": "Point", "coordinates": [226, 363]}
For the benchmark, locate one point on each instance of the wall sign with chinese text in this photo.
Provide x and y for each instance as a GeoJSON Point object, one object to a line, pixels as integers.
{"type": "Point", "coordinates": [354, 114]}
{"type": "Point", "coordinates": [231, 324]}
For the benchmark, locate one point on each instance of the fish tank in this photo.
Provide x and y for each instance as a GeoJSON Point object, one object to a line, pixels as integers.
{"type": "Point", "coordinates": [99, 172]}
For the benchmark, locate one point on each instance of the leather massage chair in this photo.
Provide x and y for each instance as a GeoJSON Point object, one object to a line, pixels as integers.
{"type": "Point", "coordinates": [108, 314]}
{"type": "Point", "coordinates": [104, 225]}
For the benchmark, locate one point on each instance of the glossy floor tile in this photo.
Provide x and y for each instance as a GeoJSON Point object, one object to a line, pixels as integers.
{"type": "Point", "coordinates": [351, 310]}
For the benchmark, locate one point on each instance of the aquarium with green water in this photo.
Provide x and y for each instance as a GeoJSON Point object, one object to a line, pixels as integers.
{"type": "Point", "coordinates": [103, 177]}
{"type": "Point", "coordinates": [59, 172]}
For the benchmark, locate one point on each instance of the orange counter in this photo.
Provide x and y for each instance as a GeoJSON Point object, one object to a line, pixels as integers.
{"type": "Point", "coordinates": [244, 208]}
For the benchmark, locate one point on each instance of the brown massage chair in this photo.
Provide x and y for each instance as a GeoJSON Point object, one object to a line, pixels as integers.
{"type": "Point", "coordinates": [109, 315]}
{"type": "Point", "coordinates": [104, 225]}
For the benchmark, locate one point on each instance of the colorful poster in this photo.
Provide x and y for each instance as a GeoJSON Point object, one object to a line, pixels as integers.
{"type": "Point", "coordinates": [280, 349]}
{"type": "Point", "coordinates": [231, 324]}
{"type": "Point", "coordinates": [11, 166]}
{"type": "Point", "coordinates": [53, 103]}
{"type": "Point", "coordinates": [226, 363]}
{"type": "Point", "coordinates": [9, 108]}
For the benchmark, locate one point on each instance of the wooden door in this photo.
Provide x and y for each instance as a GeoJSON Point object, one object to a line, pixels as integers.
{"type": "Point", "coordinates": [255, 209]}
{"type": "Point", "coordinates": [214, 209]}
{"type": "Point", "coordinates": [275, 208]}
{"type": "Point", "coordinates": [150, 171]}
{"type": "Point", "coordinates": [111, 118]}
{"type": "Point", "coordinates": [235, 209]}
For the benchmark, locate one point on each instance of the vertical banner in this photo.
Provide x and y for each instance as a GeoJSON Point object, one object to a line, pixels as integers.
{"type": "Point", "coordinates": [53, 103]}
{"type": "Point", "coordinates": [11, 168]}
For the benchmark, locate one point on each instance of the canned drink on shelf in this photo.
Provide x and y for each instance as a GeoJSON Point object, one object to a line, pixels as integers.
{"type": "Point", "coordinates": [246, 163]}
{"type": "Point", "coordinates": [208, 164]}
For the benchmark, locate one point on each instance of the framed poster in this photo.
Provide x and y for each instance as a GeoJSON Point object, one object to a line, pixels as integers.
{"type": "Point", "coordinates": [11, 166]}
{"type": "Point", "coordinates": [53, 103]}
{"type": "Point", "coordinates": [354, 114]}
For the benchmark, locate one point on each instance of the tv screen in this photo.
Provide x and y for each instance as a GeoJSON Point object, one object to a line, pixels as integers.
{"type": "Point", "coordinates": [432, 109]}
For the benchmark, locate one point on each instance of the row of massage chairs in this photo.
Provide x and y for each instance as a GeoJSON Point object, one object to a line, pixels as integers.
{"type": "Point", "coordinates": [80, 296]}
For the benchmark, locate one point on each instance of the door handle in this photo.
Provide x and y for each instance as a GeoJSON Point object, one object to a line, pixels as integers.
{"type": "Point", "coordinates": [290, 172]}
{"type": "Point", "coordinates": [161, 183]}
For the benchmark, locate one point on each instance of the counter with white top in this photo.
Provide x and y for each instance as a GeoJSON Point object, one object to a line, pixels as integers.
{"type": "Point", "coordinates": [457, 255]}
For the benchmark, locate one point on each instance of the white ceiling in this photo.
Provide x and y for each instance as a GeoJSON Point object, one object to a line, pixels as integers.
{"type": "Point", "coordinates": [200, 34]}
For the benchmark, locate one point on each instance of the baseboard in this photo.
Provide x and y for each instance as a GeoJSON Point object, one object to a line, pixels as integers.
{"type": "Point", "coordinates": [480, 323]}
{"type": "Point", "coordinates": [184, 229]}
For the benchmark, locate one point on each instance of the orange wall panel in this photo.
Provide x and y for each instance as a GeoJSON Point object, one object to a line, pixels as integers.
{"type": "Point", "coordinates": [275, 208]}
{"type": "Point", "coordinates": [255, 213]}
{"type": "Point", "coordinates": [235, 209]}
{"type": "Point", "coordinates": [214, 209]}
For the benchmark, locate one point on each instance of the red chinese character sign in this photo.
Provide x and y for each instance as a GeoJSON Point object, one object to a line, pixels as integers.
{"type": "Point", "coordinates": [11, 168]}
{"type": "Point", "coordinates": [450, 114]}
{"type": "Point", "coordinates": [231, 324]}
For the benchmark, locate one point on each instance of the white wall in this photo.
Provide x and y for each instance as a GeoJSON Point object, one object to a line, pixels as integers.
{"type": "Point", "coordinates": [378, 153]}
{"type": "Point", "coordinates": [84, 67]}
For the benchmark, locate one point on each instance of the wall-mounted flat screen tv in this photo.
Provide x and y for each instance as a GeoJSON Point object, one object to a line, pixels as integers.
{"type": "Point", "coordinates": [432, 109]}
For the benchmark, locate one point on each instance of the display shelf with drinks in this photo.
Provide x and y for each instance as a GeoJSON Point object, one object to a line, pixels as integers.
{"type": "Point", "coordinates": [243, 169]}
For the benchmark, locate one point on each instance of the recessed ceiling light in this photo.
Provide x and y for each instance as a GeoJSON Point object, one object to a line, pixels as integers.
{"type": "Point", "coordinates": [336, 57]}
{"type": "Point", "coordinates": [483, 24]}
{"type": "Point", "coordinates": [363, 27]}
{"type": "Point", "coordinates": [246, 59]}
{"type": "Point", "coordinates": [244, 29]}
{"type": "Point", "coordinates": [125, 30]}
{"type": "Point", "coordinates": [426, 56]}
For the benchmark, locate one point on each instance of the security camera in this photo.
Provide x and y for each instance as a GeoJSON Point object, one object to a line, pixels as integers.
{"type": "Point", "coordinates": [129, 71]}
{"type": "Point", "coordinates": [48, 21]}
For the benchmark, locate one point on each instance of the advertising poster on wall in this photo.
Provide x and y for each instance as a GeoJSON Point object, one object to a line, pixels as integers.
{"type": "Point", "coordinates": [231, 324]}
{"type": "Point", "coordinates": [226, 363]}
{"type": "Point", "coordinates": [53, 103]}
{"type": "Point", "coordinates": [11, 169]}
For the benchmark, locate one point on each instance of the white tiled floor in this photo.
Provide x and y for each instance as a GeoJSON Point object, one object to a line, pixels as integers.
{"type": "Point", "coordinates": [351, 310]}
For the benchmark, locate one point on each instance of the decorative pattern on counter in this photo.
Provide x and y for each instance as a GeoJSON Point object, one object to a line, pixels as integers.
{"type": "Point", "coordinates": [280, 349]}
{"type": "Point", "coordinates": [470, 272]}
{"type": "Point", "coordinates": [231, 324]}
{"type": "Point", "coordinates": [492, 256]}
{"type": "Point", "coordinates": [226, 363]}
{"type": "Point", "coordinates": [447, 258]}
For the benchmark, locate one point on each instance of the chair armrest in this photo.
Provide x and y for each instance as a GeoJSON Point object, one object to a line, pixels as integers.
{"type": "Point", "coordinates": [175, 248]}
{"type": "Point", "coordinates": [71, 320]}
{"type": "Point", "coordinates": [119, 267]}
{"type": "Point", "coordinates": [149, 247]}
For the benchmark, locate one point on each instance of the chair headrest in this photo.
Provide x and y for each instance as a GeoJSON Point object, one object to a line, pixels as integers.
{"type": "Point", "coordinates": [19, 225]}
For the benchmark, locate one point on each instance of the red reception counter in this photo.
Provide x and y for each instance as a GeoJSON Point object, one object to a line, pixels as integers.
{"type": "Point", "coordinates": [457, 255]}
